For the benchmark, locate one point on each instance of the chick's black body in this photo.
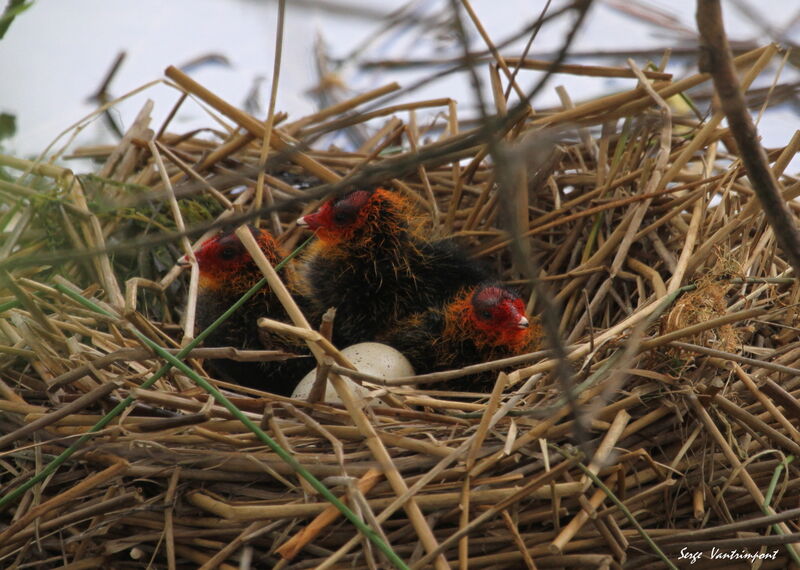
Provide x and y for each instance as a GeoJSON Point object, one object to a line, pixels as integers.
{"type": "Point", "coordinates": [381, 271]}
{"type": "Point", "coordinates": [371, 292]}
{"type": "Point", "coordinates": [242, 332]}
{"type": "Point", "coordinates": [227, 272]}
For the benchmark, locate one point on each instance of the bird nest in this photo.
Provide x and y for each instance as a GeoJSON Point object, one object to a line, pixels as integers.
{"type": "Point", "coordinates": [659, 420]}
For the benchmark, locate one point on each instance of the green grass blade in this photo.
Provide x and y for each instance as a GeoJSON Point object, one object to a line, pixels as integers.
{"type": "Point", "coordinates": [776, 475]}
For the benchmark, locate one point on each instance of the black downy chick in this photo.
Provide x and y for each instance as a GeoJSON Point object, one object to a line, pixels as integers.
{"type": "Point", "coordinates": [227, 271]}
{"type": "Point", "coordinates": [482, 323]}
{"type": "Point", "coordinates": [372, 264]}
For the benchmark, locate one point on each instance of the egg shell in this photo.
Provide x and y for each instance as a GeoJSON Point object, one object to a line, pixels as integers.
{"type": "Point", "coordinates": [372, 358]}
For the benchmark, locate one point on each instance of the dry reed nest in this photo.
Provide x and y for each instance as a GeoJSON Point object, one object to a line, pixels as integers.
{"type": "Point", "coordinates": [676, 319]}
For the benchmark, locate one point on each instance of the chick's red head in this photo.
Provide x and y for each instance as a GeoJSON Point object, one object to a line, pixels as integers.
{"type": "Point", "coordinates": [224, 261]}
{"type": "Point", "coordinates": [498, 313]}
{"type": "Point", "coordinates": [342, 218]}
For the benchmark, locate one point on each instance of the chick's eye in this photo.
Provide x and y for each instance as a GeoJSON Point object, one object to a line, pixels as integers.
{"type": "Point", "coordinates": [486, 315]}
{"type": "Point", "coordinates": [228, 253]}
{"type": "Point", "coordinates": [344, 214]}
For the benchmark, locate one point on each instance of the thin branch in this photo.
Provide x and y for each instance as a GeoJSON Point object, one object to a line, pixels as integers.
{"type": "Point", "coordinates": [716, 59]}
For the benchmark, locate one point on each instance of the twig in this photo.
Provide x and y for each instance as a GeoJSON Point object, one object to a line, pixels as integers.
{"type": "Point", "coordinates": [716, 58]}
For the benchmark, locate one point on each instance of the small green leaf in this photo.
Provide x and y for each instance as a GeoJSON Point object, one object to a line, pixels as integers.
{"type": "Point", "coordinates": [8, 125]}
{"type": "Point", "coordinates": [13, 9]}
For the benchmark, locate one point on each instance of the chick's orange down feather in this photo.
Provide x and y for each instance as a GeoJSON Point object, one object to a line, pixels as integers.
{"type": "Point", "coordinates": [227, 271]}
{"type": "Point", "coordinates": [479, 324]}
{"type": "Point", "coordinates": [371, 263]}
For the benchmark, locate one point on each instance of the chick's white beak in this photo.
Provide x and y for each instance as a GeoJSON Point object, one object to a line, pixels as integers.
{"type": "Point", "coordinates": [184, 261]}
{"type": "Point", "coordinates": [302, 222]}
{"type": "Point", "coordinates": [522, 323]}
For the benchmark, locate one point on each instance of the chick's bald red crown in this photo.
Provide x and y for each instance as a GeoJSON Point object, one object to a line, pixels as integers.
{"type": "Point", "coordinates": [339, 218]}
{"type": "Point", "coordinates": [491, 319]}
{"type": "Point", "coordinates": [224, 257]}
{"type": "Point", "coordinates": [339, 212]}
{"type": "Point", "coordinates": [495, 307]}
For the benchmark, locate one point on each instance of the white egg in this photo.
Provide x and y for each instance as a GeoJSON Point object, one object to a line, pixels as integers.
{"type": "Point", "coordinates": [371, 358]}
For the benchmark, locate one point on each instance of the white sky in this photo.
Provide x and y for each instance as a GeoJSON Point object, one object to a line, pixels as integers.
{"type": "Point", "coordinates": [55, 55]}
